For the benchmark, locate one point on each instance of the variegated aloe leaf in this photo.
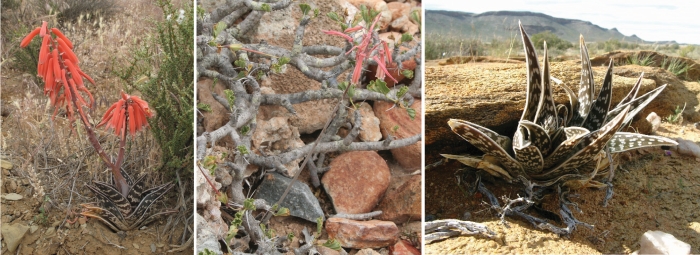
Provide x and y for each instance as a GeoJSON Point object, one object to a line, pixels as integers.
{"type": "Point", "coordinates": [110, 193]}
{"type": "Point", "coordinates": [140, 214]}
{"type": "Point", "coordinates": [585, 92]}
{"type": "Point", "coordinates": [599, 138]}
{"type": "Point", "coordinates": [501, 140]}
{"type": "Point", "coordinates": [483, 142]}
{"type": "Point", "coordinates": [633, 92]}
{"type": "Point", "coordinates": [529, 157]}
{"type": "Point", "coordinates": [573, 136]}
{"type": "Point", "coordinates": [538, 136]}
{"type": "Point", "coordinates": [534, 78]}
{"type": "Point", "coordinates": [546, 115]}
{"type": "Point", "coordinates": [482, 164]}
{"type": "Point", "coordinates": [624, 141]}
{"type": "Point", "coordinates": [573, 101]}
{"type": "Point", "coordinates": [636, 105]}
{"type": "Point", "coordinates": [600, 107]}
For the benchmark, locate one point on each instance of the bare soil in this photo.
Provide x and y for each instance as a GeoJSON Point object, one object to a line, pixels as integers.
{"type": "Point", "coordinates": [653, 191]}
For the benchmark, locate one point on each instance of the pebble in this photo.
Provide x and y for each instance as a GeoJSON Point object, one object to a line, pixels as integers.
{"type": "Point", "coordinates": [403, 247]}
{"type": "Point", "coordinates": [659, 242]}
{"type": "Point", "coordinates": [13, 234]}
{"type": "Point", "coordinates": [13, 196]}
{"type": "Point", "coordinates": [136, 245]}
{"type": "Point", "coordinates": [5, 165]}
{"type": "Point", "coordinates": [356, 181]}
{"type": "Point", "coordinates": [404, 203]}
{"type": "Point", "coordinates": [362, 234]}
{"type": "Point", "coordinates": [301, 200]}
{"type": "Point", "coordinates": [153, 248]}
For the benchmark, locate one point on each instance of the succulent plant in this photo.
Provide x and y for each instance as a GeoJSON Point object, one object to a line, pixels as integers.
{"type": "Point", "coordinates": [121, 213]}
{"type": "Point", "coordinates": [558, 145]}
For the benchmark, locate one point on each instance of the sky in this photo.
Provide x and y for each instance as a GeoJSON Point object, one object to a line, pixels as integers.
{"type": "Point", "coordinates": [660, 20]}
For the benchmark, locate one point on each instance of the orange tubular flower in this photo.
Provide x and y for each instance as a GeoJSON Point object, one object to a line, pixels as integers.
{"type": "Point", "coordinates": [129, 108]}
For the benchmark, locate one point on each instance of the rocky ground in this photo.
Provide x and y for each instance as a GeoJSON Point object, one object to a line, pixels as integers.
{"type": "Point", "coordinates": [356, 182]}
{"type": "Point", "coordinates": [653, 190]}
{"type": "Point", "coordinates": [46, 163]}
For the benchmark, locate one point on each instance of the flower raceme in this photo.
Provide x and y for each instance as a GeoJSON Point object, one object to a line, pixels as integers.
{"type": "Point", "coordinates": [58, 66]}
{"type": "Point", "coordinates": [129, 112]}
{"type": "Point", "coordinates": [364, 51]}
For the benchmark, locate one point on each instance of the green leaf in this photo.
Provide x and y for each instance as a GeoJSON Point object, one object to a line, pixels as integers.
{"type": "Point", "coordinates": [249, 204]}
{"type": "Point", "coordinates": [238, 219]}
{"type": "Point", "coordinates": [265, 8]}
{"type": "Point", "coordinates": [283, 211]}
{"type": "Point", "coordinates": [206, 252]}
{"type": "Point", "coordinates": [283, 60]}
{"type": "Point", "coordinates": [232, 231]}
{"type": "Point", "coordinates": [407, 74]}
{"type": "Point", "coordinates": [351, 92]}
{"type": "Point", "coordinates": [395, 128]}
{"type": "Point", "coordinates": [230, 97]}
{"type": "Point", "coordinates": [415, 16]}
{"type": "Point", "coordinates": [402, 91]}
{"type": "Point", "coordinates": [204, 107]}
{"type": "Point", "coordinates": [218, 28]}
{"type": "Point", "coordinates": [333, 244]}
{"type": "Point", "coordinates": [411, 113]}
{"type": "Point", "coordinates": [240, 63]}
{"type": "Point", "coordinates": [343, 85]}
{"type": "Point", "coordinates": [209, 163]}
{"type": "Point", "coordinates": [316, 12]}
{"type": "Point", "coordinates": [319, 226]}
{"type": "Point", "coordinates": [290, 236]}
{"type": "Point", "coordinates": [222, 198]}
{"type": "Point", "coordinates": [242, 149]}
{"type": "Point", "coordinates": [245, 129]}
{"type": "Point", "coordinates": [333, 16]}
{"type": "Point", "coordinates": [406, 38]}
{"type": "Point", "coordinates": [305, 8]}
{"type": "Point", "coordinates": [235, 46]}
{"type": "Point", "coordinates": [343, 27]}
{"type": "Point", "coordinates": [378, 86]}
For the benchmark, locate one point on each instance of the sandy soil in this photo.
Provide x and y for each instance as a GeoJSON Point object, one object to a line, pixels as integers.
{"type": "Point", "coordinates": [653, 191]}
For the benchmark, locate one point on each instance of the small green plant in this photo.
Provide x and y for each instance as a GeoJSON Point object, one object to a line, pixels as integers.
{"type": "Point", "coordinates": [676, 66]}
{"type": "Point", "coordinates": [206, 252]}
{"type": "Point", "coordinates": [677, 115]}
{"type": "Point", "coordinates": [641, 59]}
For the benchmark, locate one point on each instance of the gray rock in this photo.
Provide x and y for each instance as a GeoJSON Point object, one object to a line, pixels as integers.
{"type": "Point", "coordinates": [659, 242]}
{"type": "Point", "coordinates": [153, 248]}
{"type": "Point", "coordinates": [13, 234]}
{"type": "Point", "coordinates": [301, 201]}
{"type": "Point", "coordinates": [205, 238]}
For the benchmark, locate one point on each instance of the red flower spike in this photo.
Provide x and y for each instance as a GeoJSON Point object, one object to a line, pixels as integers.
{"type": "Point", "coordinates": [86, 77]}
{"type": "Point", "coordinates": [43, 55]}
{"type": "Point", "coordinates": [50, 81]}
{"type": "Point", "coordinates": [27, 39]}
{"type": "Point", "coordinates": [387, 52]}
{"type": "Point", "coordinates": [129, 108]}
{"type": "Point", "coordinates": [56, 67]}
{"type": "Point", "coordinates": [382, 70]}
{"type": "Point", "coordinates": [74, 72]}
{"type": "Point", "coordinates": [63, 37]}
{"type": "Point", "coordinates": [44, 26]}
{"type": "Point", "coordinates": [347, 37]}
{"type": "Point", "coordinates": [67, 52]}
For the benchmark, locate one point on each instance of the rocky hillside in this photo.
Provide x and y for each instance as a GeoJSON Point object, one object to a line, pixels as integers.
{"type": "Point", "coordinates": [504, 24]}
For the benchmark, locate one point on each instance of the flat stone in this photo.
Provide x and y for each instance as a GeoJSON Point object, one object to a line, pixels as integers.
{"type": "Point", "coordinates": [301, 200]}
{"type": "Point", "coordinates": [136, 245]}
{"type": "Point", "coordinates": [356, 181]}
{"type": "Point", "coordinates": [13, 196]}
{"type": "Point", "coordinates": [13, 234]}
{"type": "Point", "coordinates": [403, 247]}
{"type": "Point", "coordinates": [659, 242]}
{"type": "Point", "coordinates": [362, 234]}
{"type": "Point", "coordinates": [326, 251]}
{"type": "Point", "coordinates": [153, 248]}
{"type": "Point", "coordinates": [33, 229]}
{"type": "Point", "coordinates": [402, 204]}
{"type": "Point", "coordinates": [5, 164]}
{"type": "Point", "coordinates": [409, 157]}
{"type": "Point", "coordinates": [370, 123]}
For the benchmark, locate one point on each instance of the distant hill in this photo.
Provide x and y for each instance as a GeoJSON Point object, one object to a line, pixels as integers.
{"type": "Point", "coordinates": [503, 25]}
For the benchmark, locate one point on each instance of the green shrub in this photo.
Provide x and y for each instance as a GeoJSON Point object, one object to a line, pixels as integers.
{"type": "Point", "coordinates": [162, 68]}
{"type": "Point", "coordinates": [553, 41]}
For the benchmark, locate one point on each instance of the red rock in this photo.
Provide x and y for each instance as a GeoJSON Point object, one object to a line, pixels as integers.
{"type": "Point", "coordinates": [408, 157]}
{"type": "Point", "coordinates": [356, 181]}
{"type": "Point", "coordinates": [362, 234]}
{"type": "Point", "coordinates": [402, 204]}
{"type": "Point", "coordinates": [398, 9]}
{"type": "Point", "coordinates": [403, 247]}
{"type": "Point", "coordinates": [218, 116]}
